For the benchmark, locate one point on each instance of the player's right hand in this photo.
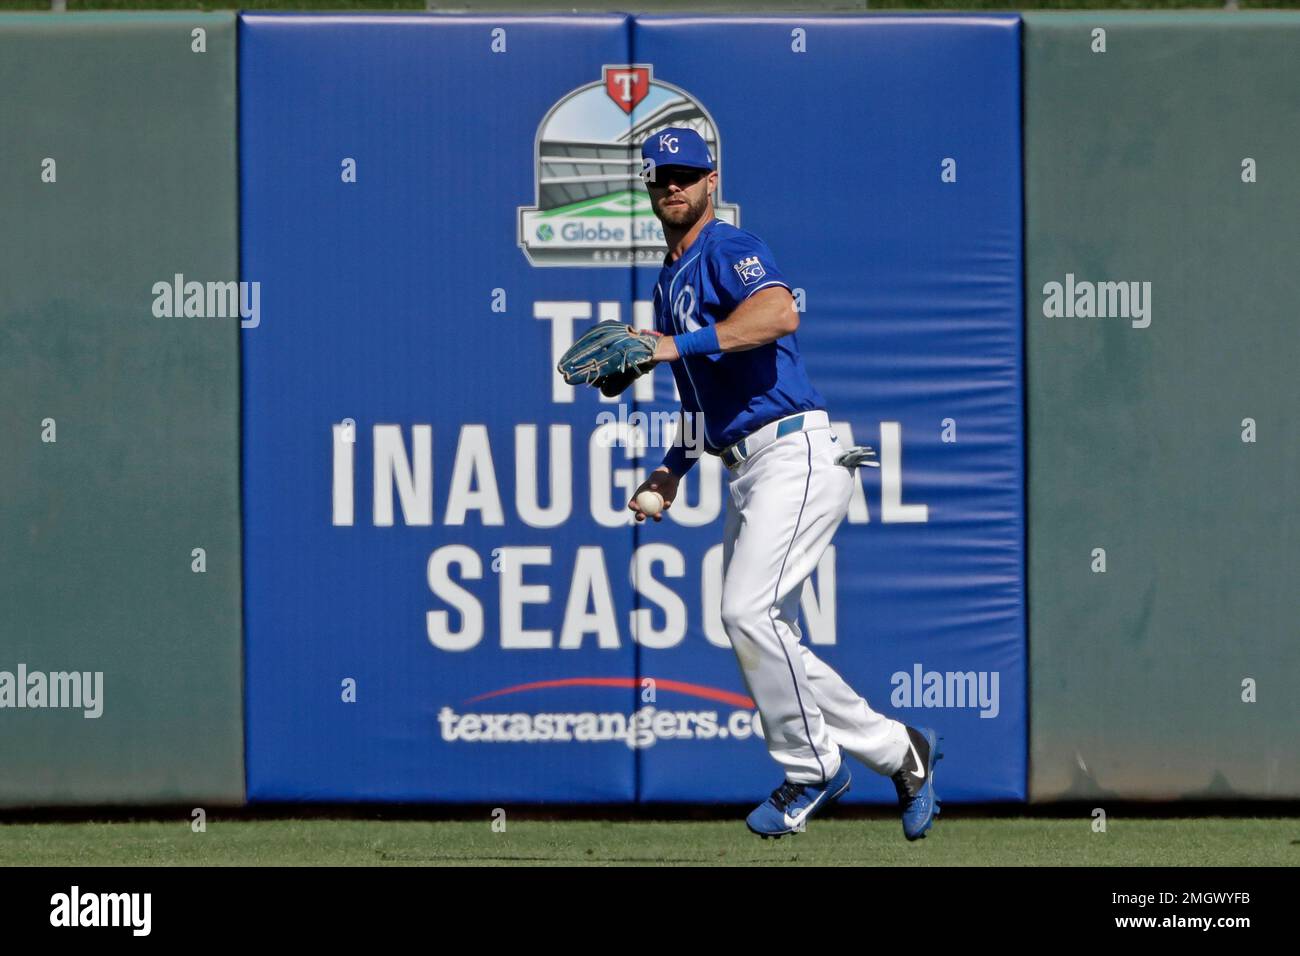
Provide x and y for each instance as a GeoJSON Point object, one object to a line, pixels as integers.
{"type": "Point", "coordinates": [665, 483]}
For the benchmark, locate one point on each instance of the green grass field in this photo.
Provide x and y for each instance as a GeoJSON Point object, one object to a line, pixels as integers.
{"type": "Point", "coordinates": [1000, 841]}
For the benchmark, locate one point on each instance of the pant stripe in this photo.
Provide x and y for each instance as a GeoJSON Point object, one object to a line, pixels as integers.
{"type": "Point", "coordinates": [776, 601]}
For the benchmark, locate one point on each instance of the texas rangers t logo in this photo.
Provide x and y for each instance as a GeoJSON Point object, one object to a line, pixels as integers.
{"type": "Point", "coordinates": [627, 87]}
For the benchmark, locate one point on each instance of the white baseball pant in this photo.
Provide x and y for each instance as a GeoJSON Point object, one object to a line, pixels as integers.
{"type": "Point", "coordinates": [786, 503]}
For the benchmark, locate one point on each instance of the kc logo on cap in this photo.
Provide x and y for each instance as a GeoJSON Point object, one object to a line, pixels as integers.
{"type": "Point", "coordinates": [676, 146]}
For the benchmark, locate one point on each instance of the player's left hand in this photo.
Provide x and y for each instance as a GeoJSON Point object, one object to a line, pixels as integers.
{"type": "Point", "coordinates": [606, 353]}
{"type": "Point", "coordinates": [616, 384]}
{"type": "Point", "coordinates": [666, 349]}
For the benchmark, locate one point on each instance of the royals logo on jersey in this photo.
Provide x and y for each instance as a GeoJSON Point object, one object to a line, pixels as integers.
{"type": "Point", "coordinates": [750, 270]}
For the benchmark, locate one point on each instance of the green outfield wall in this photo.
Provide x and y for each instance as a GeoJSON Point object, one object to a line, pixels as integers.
{"type": "Point", "coordinates": [1162, 416]}
{"type": "Point", "coordinates": [119, 450]}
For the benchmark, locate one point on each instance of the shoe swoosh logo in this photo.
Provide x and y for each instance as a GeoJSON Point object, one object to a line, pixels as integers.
{"type": "Point", "coordinates": [920, 775]}
{"type": "Point", "coordinates": [793, 821]}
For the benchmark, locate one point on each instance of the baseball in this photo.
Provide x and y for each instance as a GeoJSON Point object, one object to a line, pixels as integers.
{"type": "Point", "coordinates": [650, 502]}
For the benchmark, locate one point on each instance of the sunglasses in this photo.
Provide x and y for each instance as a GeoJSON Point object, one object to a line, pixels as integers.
{"type": "Point", "coordinates": [664, 176]}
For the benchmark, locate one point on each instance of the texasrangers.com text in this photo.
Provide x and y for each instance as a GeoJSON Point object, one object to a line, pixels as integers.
{"type": "Point", "coordinates": [644, 728]}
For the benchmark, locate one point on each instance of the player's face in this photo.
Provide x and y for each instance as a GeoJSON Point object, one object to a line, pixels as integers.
{"type": "Point", "coordinates": [680, 195]}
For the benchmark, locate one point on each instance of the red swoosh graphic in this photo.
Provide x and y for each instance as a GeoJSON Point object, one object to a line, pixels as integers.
{"type": "Point", "coordinates": [630, 683]}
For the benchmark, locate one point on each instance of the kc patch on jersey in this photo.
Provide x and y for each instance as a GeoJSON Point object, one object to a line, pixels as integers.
{"type": "Point", "coordinates": [750, 270]}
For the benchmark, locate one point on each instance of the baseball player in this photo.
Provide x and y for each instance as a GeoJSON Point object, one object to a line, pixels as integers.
{"type": "Point", "coordinates": [726, 322]}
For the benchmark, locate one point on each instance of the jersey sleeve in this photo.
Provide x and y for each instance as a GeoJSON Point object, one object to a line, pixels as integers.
{"type": "Point", "coordinates": [679, 460]}
{"type": "Point", "coordinates": [741, 265]}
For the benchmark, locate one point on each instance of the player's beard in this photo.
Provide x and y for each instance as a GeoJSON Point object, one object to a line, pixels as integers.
{"type": "Point", "coordinates": [684, 216]}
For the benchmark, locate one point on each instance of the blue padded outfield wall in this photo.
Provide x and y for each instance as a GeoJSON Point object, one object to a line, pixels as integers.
{"type": "Point", "coordinates": [445, 599]}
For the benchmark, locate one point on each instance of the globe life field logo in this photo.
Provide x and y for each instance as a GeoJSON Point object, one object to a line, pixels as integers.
{"type": "Point", "coordinates": [591, 207]}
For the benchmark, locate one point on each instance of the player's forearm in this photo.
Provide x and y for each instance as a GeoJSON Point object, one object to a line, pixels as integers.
{"type": "Point", "coordinates": [679, 459]}
{"type": "Point", "coordinates": [761, 319]}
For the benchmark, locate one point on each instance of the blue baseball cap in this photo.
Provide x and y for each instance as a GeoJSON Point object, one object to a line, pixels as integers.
{"type": "Point", "coordinates": [677, 146]}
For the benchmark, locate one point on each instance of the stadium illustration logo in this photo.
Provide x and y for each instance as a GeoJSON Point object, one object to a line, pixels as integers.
{"type": "Point", "coordinates": [591, 207]}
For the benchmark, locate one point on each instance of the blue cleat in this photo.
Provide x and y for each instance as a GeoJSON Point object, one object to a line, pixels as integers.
{"type": "Point", "coordinates": [915, 782]}
{"type": "Point", "coordinates": [791, 804]}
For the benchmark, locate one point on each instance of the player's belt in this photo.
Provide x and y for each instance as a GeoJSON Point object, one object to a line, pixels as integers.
{"type": "Point", "coordinates": [756, 441]}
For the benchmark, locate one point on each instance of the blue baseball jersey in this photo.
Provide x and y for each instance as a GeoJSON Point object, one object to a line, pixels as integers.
{"type": "Point", "coordinates": [734, 393]}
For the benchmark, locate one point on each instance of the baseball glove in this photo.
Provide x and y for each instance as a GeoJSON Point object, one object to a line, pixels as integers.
{"type": "Point", "coordinates": [617, 383]}
{"type": "Point", "coordinates": [608, 356]}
